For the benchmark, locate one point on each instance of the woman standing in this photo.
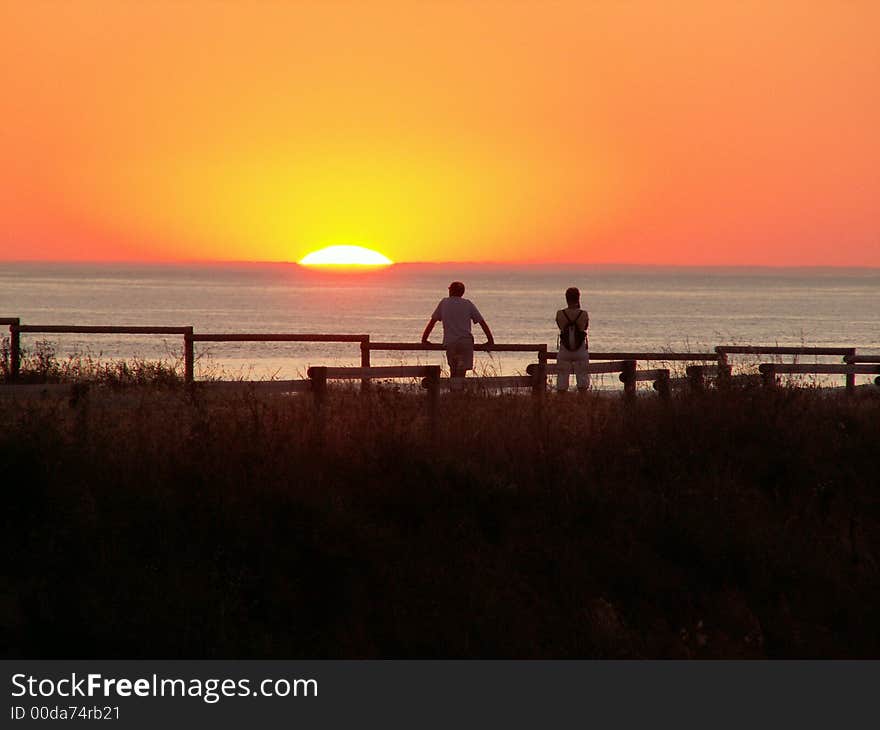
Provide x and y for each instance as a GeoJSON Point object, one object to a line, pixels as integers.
{"type": "Point", "coordinates": [573, 347]}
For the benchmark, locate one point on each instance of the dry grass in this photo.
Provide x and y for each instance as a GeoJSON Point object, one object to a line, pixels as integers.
{"type": "Point", "coordinates": [41, 364]}
{"type": "Point", "coordinates": [157, 522]}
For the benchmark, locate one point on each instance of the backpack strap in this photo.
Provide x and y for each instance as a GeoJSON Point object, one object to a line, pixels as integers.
{"type": "Point", "coordinates": [576, 317]}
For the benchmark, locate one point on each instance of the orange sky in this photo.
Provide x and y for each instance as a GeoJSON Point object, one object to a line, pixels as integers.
{"type": "Point", "coordinates": [636, 132]}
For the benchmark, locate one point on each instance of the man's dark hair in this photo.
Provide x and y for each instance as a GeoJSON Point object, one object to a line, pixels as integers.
{"type": "Point", "coordinates": [573, 296]}
{"type": "Point", "coordinates": [456, 289]}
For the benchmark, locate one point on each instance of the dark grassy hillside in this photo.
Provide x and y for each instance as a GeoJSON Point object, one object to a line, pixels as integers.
{"type": "Point", "coordinates": [144, 522]}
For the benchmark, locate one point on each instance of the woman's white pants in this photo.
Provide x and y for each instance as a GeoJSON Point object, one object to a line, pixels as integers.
{"type": "Point", "coordinates": [568, 361]}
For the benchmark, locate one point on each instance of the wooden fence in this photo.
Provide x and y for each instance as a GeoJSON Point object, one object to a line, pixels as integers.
{"type": "Point", "coordinates": [725, 350]}
{"type": "Point", "coordinates": [16, 329]}
{"type": "Point", "coordinates": [719, 366]}
{"type": "Point", "coordinates": [770, 370]}
{"type": "Point", "coordinates": [855, 359]}
{"type": "Point", "coordinates": [536, 380]}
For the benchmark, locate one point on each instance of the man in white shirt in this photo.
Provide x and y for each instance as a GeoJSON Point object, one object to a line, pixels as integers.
{"type": "Point", "coordinates": [456, 313]}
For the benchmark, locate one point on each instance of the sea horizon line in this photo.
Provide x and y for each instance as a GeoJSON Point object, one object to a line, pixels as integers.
{"type": "Point", "coordinates": [170, 263]}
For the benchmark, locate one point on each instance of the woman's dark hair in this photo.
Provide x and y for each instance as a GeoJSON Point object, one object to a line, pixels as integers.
{"type": "Point", "coordinates": [573, 295]}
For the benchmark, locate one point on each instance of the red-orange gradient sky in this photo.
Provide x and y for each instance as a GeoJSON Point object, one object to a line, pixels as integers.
{"type": "Point", "coordinates": [656, 131]}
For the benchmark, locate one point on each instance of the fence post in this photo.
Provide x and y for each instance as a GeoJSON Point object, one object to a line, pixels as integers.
{"type": "Point", "coordinates": [188, 356]}
{"type": "Point", "coordinates": [318, 376]}
{"type": "Point", "coordinates": [768, 374]}
{"type": "Point", "coordinates": [14, 349]}
{"type": "Point", "coordinates": [365, 361]}
{"type": "Point", "coordinates": [539, 395]}
{"type": "Point", "coordinates": [433, 387]}
{"type": "Point", "coordinates": [628, 376]}
{"type": "Point", "coordinates": [695, 378]}
{"type": "Point", "coordinates": [542, 355]}
{"type": "Point", "coordinates": [850, 377]}
{"type": "Point", "coordinates": [661, 385]}
{"type": "Point", "coordinates": [539, 380]}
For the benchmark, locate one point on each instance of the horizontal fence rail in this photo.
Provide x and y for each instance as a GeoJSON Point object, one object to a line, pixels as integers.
{"type": "Point", "coordinates": [715, 370]}
{"type": "Point", "coordinates": [277, 337]}
{"type": "Point", "coordinates": [820, 369]}
{"type": "Point", "coordinates": [592, 368]}
{"type": "Point", "coordinates": [660, 376]}
{"type": "Point", "coordinates": [259, 386]}
{"type": "Point", "coordinates": [478, 346]}
{"type": "Point", "coordinates": [772, 350]}
{"type": "Point", "coordinates": [652, 356]}
{"type": "Point", "coordinates": [769, 371]}
{"type": "Point", "coordinates": [484, 383]}
{"type": "Point", "coordinates": [642, 375]}
{"type": "Point", "coordinates": [103, 330]}
{"type": "Point", "coordinates": [393, 371]}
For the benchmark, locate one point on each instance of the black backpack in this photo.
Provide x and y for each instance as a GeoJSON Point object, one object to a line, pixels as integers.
{"type": "Point", "coordinates": [570, 337]}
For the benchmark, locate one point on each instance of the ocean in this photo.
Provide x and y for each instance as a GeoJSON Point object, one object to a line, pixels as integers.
{"type": "Point", "coordinates": [631, 308]}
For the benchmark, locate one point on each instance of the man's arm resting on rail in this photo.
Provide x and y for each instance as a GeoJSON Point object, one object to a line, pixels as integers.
{"type": "Point", "coordinates": [489, 339]}
{"type": "Point", "coordinates": [427, 333]}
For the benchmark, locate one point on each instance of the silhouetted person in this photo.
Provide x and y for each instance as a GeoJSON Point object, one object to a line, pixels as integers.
{"type": "Point", "coordinates": [573, 347]}
{"type": "Point", "coordinates": [456, 313]}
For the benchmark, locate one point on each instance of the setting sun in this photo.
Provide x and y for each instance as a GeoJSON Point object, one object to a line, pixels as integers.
{"type": "Point", "coordinates": [345, 256]}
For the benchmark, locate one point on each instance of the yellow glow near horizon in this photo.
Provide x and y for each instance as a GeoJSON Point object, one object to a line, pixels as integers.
{"type": "Point", "coordinates": [347, 256]}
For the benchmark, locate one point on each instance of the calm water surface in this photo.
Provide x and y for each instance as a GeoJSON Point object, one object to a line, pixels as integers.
{"type": "Point", "coordinates": [630, 308]}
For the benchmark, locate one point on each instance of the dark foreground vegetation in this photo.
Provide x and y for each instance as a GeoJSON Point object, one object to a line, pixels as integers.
{"type": "Point", "coordinates": [144, 521]}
